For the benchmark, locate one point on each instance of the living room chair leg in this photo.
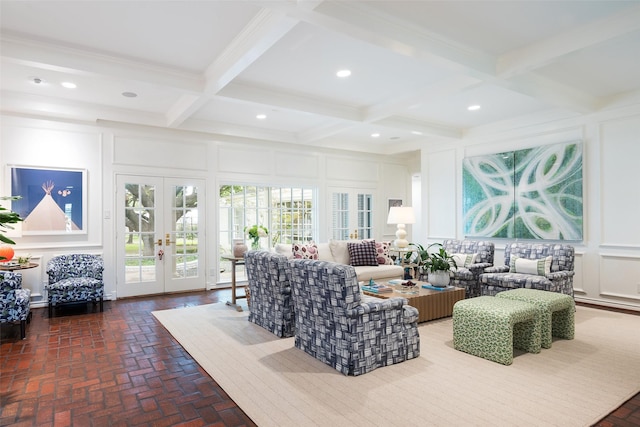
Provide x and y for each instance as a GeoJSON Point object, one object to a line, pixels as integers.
{"type": "Point", "coordinates": [101, 305]}
{"type": "Point", "coordinates": [23, 329]}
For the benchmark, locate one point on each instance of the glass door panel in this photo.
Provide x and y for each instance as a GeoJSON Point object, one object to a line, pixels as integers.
{"type": "Point", "coordinates": [160, 244]}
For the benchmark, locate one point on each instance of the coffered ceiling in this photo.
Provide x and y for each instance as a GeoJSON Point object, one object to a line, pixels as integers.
{"type": "Point", "coordinates": [416, 66]}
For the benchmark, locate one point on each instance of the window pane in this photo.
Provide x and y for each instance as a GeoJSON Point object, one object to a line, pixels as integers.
{"type": "Point", "coordinates": [287, 214]}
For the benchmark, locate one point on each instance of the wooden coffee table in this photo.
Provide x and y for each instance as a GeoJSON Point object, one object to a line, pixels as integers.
{"type": "Point", "coordinates": [431, 304]}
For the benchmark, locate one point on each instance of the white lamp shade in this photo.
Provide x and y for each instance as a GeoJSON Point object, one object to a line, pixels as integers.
{"type": "Point", "coordinates": [401, 215]}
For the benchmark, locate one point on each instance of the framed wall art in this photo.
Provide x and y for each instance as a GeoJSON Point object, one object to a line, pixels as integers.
{"type": "Point", "coordinates": [533, 193]}
{"type": "Point", "coordinates": [53, 201]}
{"type": "Point", "coordinates": [394, 202]}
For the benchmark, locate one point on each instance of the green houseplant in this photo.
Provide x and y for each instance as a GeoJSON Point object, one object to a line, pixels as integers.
{"type": "Point", "coordinates": [437, 263]}
{"type": "Point", "coordinates": [7, 217]}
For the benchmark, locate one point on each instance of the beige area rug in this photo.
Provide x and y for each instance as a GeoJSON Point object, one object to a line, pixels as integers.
{"type": "Point", "coordinates": [575, 383]}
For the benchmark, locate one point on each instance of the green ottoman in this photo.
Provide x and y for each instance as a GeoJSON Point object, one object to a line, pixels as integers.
{"type": "Point", "coordinates": [557, 312]}
{"type": "Point", "coordinates": [491, 327]}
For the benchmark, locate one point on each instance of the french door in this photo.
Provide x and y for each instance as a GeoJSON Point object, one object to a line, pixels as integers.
{"type": "Point", "coordinates": [160, 242]}
{"type": "Point", "coordinates": [351, 214]}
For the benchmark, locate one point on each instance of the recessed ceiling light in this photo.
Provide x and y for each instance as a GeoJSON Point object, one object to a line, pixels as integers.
{"type": "Point", "coordinates": [473, 107]}
{"type": "Point", "coordinates": [69, 85]}
{"type": "Point", "coordinates": [261, 116]}
{"type": "Point", "coordinates": [375, 135]}
{"type": "Point", "coordinates": [343, 73]}
{"type": "Point", "coordinates": [129, 94]}
{"type": "Point", "coordinates": [36, 80]}
{"type": "Point", "coordinates": [416, 132]}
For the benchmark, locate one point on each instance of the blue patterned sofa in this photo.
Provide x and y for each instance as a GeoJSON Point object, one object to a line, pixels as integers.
{"type": "Point", "coordinates": [75, 278]}
{"type": "Point", "coordinates": [544, 266]}
{"type": "Point", "coordinates": [334, 324]}
{"type": "Point", "coordinates": [15, 306]}
{"type": "Point", "coordinates": [468, 276]}
{"type": "Point", "coordinates": [270, 305]}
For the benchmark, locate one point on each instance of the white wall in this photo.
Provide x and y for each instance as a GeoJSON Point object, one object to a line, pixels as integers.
{"type": "Point", "coordinates": [106, 151]}
{"type": "Point", "coordinates": [608, 259]}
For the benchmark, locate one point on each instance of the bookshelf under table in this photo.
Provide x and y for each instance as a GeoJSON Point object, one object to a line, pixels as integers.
{"type": "Point", "coordinates": [431, 304]}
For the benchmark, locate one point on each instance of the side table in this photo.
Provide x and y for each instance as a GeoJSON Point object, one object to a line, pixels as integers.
{"type": "Point", "coordinates": [402, 254]}
{"type": "Point", "coordinates": [15, 267]}
{"type": "Point", "coordinates": [234, 262]}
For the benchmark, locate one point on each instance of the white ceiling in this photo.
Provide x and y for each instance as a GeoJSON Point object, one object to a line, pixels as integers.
{"type": "Point", "coordinates": [212, 66]}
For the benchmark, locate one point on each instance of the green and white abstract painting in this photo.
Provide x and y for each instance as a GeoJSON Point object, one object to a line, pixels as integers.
{"type": "Point", "coordinates": [535, 193]}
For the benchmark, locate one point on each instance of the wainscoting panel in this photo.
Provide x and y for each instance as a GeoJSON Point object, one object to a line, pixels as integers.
{"type": "Point", "coordinates": [160, 153]}
{"type": "Point", "coordinates": [250, 161]}
{"type": "Point", "coordinates": [620, 276]}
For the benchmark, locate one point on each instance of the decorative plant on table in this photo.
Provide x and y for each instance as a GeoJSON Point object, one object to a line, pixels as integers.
{"type": "Point", "coordinates": [437, 263]}
{"type": "Point", "coordinates": [255, 232]}
{"type": "Point", "coordinates": [7, 217]}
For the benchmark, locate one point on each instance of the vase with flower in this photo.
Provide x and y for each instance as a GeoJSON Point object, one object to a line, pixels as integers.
{"type": "Point", "coordinates": [255, 232]}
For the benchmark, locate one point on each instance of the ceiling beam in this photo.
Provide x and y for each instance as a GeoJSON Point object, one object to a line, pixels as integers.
{"type": "Point", "coordinates": [260, 34]}
{"type": "Point", "coordinates": [541, 53]}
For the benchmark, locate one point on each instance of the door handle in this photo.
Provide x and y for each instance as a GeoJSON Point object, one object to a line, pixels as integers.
{"type": "Point", "coordinates": [159, 242]}
{"type": "Point", "coordinates": [168, 239]}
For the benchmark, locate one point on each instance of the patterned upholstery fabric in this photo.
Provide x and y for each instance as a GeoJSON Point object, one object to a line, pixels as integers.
{"type": "Point", "coordinates": [491, 327]}
{"type": "Point", "coordinates": [499, 278]}
{"type": "Point", "coordinates": [14, 301]}
{"type": "Point", "coordinates": [363, 253]}
{"type": "Point", "coordinates": [557, 312]}
{"type": "Point", "coordinates": [75, 278]}
{"type": "Point", "coordinates": [336, 326]}
{"type": "Point", "coordinates": [271, 306]}
{"type": "Point", "coordinates": [468, 278]}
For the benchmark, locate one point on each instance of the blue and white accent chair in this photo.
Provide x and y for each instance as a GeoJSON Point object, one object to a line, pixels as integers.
{"type": "Point", "coordinates": [75, 278]}
{"type": "Point", "coordinates": [543, 266]}
{"type": "Point", "coordinates": [14, 301]}
{"type": "Point", "coordinates": [270, 305]}
{"type": "Point", "coordinates": [467, 275]}
{"type": "Point", "coordinates": [334, 324]}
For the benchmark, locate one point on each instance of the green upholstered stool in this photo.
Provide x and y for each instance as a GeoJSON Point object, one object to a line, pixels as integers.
{"type": "Point", "coordinates": [557, 312]}
{"type": "Point", "coordinates": [491, 327]}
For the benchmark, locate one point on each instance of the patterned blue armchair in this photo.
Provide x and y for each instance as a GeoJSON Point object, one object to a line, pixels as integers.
{"type": "Point", "coordinates": [335, 326]}
{"type": "Point", "coordinates": [468, 276]}
{"type": "Point", "coordinates": [544, 266]}
{"type": "Point", "coordinates": [75, 278]}
{"type": "Point", "coordinates": [14, 301]}
{"type": "Point", "coordinates": [270, 305]}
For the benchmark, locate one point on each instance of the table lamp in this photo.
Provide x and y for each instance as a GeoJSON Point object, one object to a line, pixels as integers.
{"type": "Point", "coordinates": [401, 215]}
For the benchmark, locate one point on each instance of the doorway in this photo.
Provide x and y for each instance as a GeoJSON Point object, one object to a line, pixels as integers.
{"type": "Point", "coordinates": [160, 240]}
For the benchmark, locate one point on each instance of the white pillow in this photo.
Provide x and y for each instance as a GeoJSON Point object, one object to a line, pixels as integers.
{"type": "Point", "coordinates": [324, 252]}
{"type": "Point", "coordinates": [284, 249]}
{"type": "Point", "coordinates": [339, 251]}
{"type": "Point", "coordinates": [540, 267]}
{"type": "Point", "coordinates": [464, 260]}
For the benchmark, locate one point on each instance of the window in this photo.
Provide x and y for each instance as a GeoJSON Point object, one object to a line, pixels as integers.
{"type": "Point", "coordinates": [287, 213]}
{"type": "Point", "coordinates": [348, 223]}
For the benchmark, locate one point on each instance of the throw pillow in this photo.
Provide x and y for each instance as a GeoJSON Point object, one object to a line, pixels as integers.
{"type": "Point", "coordinates": [464, 260]}
{"type": "Point", "coordinates": [339, 251]}
{"type": "Point", "coordinates": [382, 253]}
{"type": "Point", "coordinates": [305, 250]}
{"type": "Point", "coordinates": [540, 267]}
{"type": "Point", "coordinates": [284, 249]}
{"type": "Point", "coordinates": [363, 253]}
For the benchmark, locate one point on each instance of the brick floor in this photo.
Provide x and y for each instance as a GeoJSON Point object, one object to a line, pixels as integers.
{"type": "Point", "coordinates": [122, 368]}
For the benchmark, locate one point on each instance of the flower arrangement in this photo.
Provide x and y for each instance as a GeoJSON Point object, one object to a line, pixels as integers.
{"type": "Point", "coordinates": [24, 259]}
{"type": "Point", "coordinates": [255, 232]}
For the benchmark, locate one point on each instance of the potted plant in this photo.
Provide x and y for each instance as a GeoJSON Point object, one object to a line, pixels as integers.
{"type": "Point", "coordinates": [437, 264]}
{"type": "Point", "coordinates": [7, 217]}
